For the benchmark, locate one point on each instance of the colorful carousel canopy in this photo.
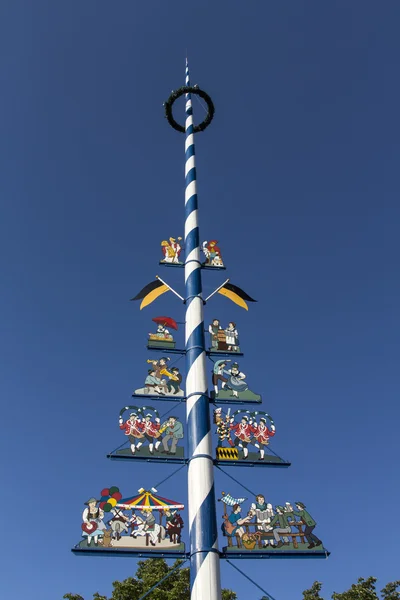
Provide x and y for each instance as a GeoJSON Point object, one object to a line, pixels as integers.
{"type": "Point", "coordinates": [147, 499]}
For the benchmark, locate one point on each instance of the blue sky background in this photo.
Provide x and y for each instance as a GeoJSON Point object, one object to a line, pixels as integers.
{"type": "Point", "coordinates": [298, 180]}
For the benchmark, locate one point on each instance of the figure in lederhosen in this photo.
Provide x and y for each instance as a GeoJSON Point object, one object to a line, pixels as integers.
{"type": "Point", "coordinates": [310, 524]}
{"type": "Point", "coordinates": [174, 381]}
{"type": "Point", "coordinates": [214, 329]}
{"type": "Point", "coordinates": [283, 520]}
{"type": "Point", "coordinates": [218, 374]}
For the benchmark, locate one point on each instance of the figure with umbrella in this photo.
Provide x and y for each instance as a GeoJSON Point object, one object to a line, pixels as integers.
{"type": "Point", "coordinates": [162, 338]}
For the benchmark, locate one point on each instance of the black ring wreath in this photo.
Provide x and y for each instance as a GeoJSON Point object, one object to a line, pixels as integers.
{"type": "Point", "coordinates": [189, 90]}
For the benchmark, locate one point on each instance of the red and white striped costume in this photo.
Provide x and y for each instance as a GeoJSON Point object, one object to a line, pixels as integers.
{"type": "Point", "coordinates": [135, 429]}
{"type": "Point", "coordinates": [262, 434]}
{"type": "Point", "coordinates": [243, 432]}
{"type": "Point", "coordinates": [151, 428]}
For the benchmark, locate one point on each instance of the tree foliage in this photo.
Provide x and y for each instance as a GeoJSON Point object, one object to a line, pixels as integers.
{"type": "Point", "coordinates": [148, 574]}
{"type": "Point", "coordinates": [313, 592]}
{"type": "Point", "coordinates": [364, 589]}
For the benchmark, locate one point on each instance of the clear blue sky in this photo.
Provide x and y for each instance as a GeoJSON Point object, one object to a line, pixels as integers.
{"type": "Point", "coordinates": [298, 180]}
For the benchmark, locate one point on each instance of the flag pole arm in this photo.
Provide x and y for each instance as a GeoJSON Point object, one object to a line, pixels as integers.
{"type": "Point", "coordinates": [170, 288]}
{"type": "Point", "coordinates": [215, 291]}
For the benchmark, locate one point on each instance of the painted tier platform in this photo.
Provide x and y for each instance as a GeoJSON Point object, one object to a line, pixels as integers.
{"type": "Point", "coordinates": [253, 460]}
{"type": "Point", "coordinates": [151, 346]}
{"type": "Point", "coordinates": [223, 353]}
{"type": "Point", "coordinates": [227, 397]}
{"type": "Point", "coordinates": [171, 264]}
{"type": "Point", "coordinates": [232, 553]}
{"type": "Point", "coordinates": [154, 396]}
{"type": "Point", "coordinates": [144, 455]}
{"type": "Point", "coordinates": [128, 546]}
{"type": "Point", "coordinates": [181, 265]}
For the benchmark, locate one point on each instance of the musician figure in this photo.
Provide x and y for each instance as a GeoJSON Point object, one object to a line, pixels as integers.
{"type": "Point", "coordinates": [154, 383]}
{"type": "Point", "coordinates": [161, 386]}
{"type": "Point", "coordinates": [174, 380]}
{"type": "Point", "coordinates": [174, 432]}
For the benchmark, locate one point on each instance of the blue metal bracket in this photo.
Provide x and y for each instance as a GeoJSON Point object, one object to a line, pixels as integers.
{"type": "Point", "coordinates": [148, 459]}
{"type": "Point", "coordinates": [164, 264]}
{"type": "Point", "coordinates": [239, 553]}
{"type": "Point", "coordinates": [210, 268]}
{"type": "Point", "coordinates": [130, 553]}
{"type": "Point", "coordinates": [164, 398]}
{"type": "Point", "coordinates": [245, 463]}
{"type": "Point", "coordinates": [167, 350]}
{"type": "Point", "coordinates": [222, 353]}
{"type": "Point", "coordinates": [232, 400]}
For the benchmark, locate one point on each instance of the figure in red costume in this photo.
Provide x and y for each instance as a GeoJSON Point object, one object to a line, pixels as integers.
{"type": "Point", "coordinates": [243, 432]}
{"type": "Point", "coordinates": [134, 429]}
{"type": "Point", "coordinates": [262, 435]}
{"type": "Point", "coordinates": [151, 432]}
{"type": "Point", "coordinates": [213, 254]}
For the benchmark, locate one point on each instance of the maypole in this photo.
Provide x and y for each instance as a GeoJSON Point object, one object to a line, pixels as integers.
{"type": "Point", "coordinates": [154, 526]}
{"type": "Point", "coordinates": [204, 554]}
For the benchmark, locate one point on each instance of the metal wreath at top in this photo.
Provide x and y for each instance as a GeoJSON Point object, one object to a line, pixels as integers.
{"type": "Point", "coordinates": [189, 90]}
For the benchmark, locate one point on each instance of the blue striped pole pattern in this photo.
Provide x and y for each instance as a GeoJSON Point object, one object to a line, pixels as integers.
{"type": "Point", "coordinates": [204, 557]}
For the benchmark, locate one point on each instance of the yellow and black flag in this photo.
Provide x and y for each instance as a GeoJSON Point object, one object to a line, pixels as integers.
{"type": "Point", "coordinates": [150, 292]}
{"type": "Point", "coordinates": [237, 295]}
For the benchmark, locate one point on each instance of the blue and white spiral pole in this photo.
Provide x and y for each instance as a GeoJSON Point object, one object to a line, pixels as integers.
{"type": "Point", "coordinates": [204, 556]}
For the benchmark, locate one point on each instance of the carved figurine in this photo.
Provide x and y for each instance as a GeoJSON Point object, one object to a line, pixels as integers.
{"type": "Point", "coordinates": [213, 254]}
{"type": "Point", "coordinates": [161, 381]}
{"type": "Point", "coordinates": [266, 529]}
{"type": "Point", "coordinates": [162, 338]}
{"type": "Point", "coordinates": [171, 250]}
{"type": "Point", "coordinates": [223, 340]}
{"type": "Point", "coordinates": [236, 432]}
